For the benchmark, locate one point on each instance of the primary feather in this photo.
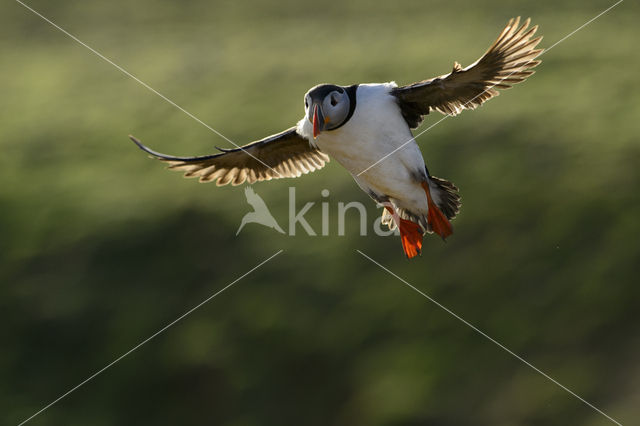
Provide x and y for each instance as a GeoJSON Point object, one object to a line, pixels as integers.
{"type": "Point", "coordinates": [509, 60]}
{"type": "Point", "coordinates": [286, 154]}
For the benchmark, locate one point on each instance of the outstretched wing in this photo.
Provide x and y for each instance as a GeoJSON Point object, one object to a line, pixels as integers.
{"type": "Point", "coordinates": [285, 154]}
{"type": "Point", "coordinates": [508, 61]}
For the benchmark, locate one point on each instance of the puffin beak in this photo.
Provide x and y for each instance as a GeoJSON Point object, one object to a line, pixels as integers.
{"type": "Point", "coordinates": [318, 120]}
{"type": "Point", "coordinates": [316, 129]}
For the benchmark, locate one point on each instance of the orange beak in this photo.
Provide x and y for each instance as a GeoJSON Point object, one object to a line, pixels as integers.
{"type": "Point", "coordinates": [316, 131]}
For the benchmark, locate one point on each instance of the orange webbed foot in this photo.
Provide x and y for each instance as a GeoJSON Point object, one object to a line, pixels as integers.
{"type": "Point", "coordinates": [411, 237]}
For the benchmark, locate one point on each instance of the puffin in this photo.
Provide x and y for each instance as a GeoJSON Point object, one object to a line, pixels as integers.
{"type": "Point", "coordinates": [367, 128]}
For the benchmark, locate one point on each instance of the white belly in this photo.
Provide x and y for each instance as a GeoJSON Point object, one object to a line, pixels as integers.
{"type": "Point", "coordinates": [377, 134]}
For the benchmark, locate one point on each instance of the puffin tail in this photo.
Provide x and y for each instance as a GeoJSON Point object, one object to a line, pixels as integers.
{"type": "Point", "coordinates": [443, 203]}
{"type": "Point", "coordinates": [445, 195]}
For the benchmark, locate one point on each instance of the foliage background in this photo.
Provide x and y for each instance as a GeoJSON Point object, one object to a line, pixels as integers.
{"type": "Point", "coordinates": [100, 247]}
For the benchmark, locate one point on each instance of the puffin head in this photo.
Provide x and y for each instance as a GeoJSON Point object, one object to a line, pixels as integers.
{"type": "Point", "coordinates": [327, 107]}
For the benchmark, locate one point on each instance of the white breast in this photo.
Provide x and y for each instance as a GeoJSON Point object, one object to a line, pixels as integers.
{"type": "Point", "coordinates": [375, 130]}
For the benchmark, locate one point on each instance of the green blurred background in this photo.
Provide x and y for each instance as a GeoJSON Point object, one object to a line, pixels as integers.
{"type": "Point", "coordinates": [100, 247]}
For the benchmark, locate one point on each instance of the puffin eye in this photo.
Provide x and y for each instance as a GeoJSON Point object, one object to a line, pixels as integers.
{"type": "Point", "coordinates": [334, 101]}
{"type": "Point", "coordinates": [306, 103]}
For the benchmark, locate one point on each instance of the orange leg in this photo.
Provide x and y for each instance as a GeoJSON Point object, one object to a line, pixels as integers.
{"type": "Point", "coordinates": [410, 235]}
{"type": "Point", "coordinates": [438, 221]}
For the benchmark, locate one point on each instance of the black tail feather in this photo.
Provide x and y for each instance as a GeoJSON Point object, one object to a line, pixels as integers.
{"type": "Point", "coordinates": [449, 199]}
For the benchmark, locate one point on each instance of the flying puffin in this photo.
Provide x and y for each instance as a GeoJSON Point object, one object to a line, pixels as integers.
{"type": "Point", "coordinates": [367, 129]}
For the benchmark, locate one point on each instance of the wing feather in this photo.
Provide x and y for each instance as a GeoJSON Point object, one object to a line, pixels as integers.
{"type": "Point", "coordinates": [508, 61]}
{"type": "Point", "coordinates": [286, 154]}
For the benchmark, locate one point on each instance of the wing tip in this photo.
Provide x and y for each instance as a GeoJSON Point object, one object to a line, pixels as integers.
{"type": "Point", "coordinates": [137, 142]}
{"type": "Point", "coordinates": [145, 148]}
{"type": "Point", "coordinates": [171, 158]}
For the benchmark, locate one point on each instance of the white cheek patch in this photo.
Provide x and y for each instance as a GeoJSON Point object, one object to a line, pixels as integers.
{"type": "Point", "coordinates": [335, 115]}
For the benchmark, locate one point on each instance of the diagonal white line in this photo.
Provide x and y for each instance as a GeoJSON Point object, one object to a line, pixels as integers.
{"type": "Point", "coordinates": [500, 345]}
{"type": "Point", "coordinates": [149, 338]}
{"type": "Point", "coordinates": [583, 25]}
{"type": "Point", "coordinates": [490, 87]}
{"type": "Point", "coordinates": [127, 73]}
